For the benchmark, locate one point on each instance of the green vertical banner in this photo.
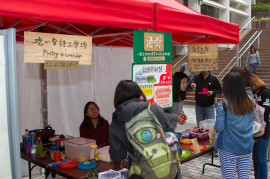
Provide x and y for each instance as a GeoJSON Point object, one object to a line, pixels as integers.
{"type": "Point", "coordinates": [152, 47]}
{"type": "Point", "coordinates": [152, 67]}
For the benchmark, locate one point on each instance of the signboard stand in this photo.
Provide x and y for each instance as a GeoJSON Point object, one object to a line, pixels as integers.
{"type": "Point", "coordinates": [202, 57]}
{"type": "Point", "coordinates": [152, 67]}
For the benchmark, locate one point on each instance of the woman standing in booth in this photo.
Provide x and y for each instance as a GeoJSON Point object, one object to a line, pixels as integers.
{"type": "Point", "coordinates": [176, 114]}
{"type": "Point", "coordinates": [94, 126]}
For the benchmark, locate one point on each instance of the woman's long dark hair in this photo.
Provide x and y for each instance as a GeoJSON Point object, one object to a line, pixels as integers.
{"type": "Point", "coordinates": [245, 73]}
{"type": "Point", "coordinates": [87, 119]}
{"type": "Point", "coordinates": [126, 90]}
{"type": "Point", "coordinates": [251, 48]}
{"type": "Point", "coordinates": [235, 93]}
{"type": "Point", "coordinates": [178, 94]}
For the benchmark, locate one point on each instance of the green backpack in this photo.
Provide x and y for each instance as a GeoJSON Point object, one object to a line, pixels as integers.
{"type": "Point", "coordinates": [153, 157]}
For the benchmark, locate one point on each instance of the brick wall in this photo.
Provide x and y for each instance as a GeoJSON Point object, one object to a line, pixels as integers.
{"type": "Point", "coordinates": [260, 14]}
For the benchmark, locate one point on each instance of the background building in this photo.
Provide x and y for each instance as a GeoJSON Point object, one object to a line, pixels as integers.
{"type": "Point", "coordinates": [235, 11]}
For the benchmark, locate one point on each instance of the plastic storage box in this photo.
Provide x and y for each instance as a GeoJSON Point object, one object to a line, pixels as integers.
{"type": "Point", "coordinates": [195, 133]}
{"type": "Point", "coordinates": [103, 154]}
{"type": "Point", "coordinates": [78, 149]}
{"type": "Point", "coordinates": [207, 124]}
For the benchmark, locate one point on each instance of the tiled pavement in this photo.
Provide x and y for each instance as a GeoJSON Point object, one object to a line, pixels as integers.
{"type": "Point", "coordinates": [193, 168]}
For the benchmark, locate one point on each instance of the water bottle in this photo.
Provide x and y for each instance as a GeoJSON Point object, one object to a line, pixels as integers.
{"type": "Point", "coordinates": [33, 143]}
{"type": "Point", "coordinates": [27, 142]}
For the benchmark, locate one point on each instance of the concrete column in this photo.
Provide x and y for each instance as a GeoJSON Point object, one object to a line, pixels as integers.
{"type": "Point", "coordinates": [224, 14]}
{"type": "Point", "coordinates": [181, 50]}
{"type": "Point", "coordinates": [193, 4]}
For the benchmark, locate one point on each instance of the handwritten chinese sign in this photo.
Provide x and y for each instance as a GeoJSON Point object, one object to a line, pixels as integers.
{"type": "Point", "coordinates": [39, 47]}
{"type": "Point", "coordinates": [155, 80]}
{"type": "Point", "coordinates": [60, 64]}
{"type": "Point", "coordinates": [202, 57]}
{"type": "Point", "coordinates": [152, 47]}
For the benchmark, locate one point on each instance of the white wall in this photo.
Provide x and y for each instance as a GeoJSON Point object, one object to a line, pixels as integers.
{"type": "Point", "coordinates": [5, 168]}
{"type": "Point", "coordinates": [224, 14]}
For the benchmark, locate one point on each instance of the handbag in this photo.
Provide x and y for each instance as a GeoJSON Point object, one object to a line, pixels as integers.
{"type": "Point", "coordinates": [258, 124]}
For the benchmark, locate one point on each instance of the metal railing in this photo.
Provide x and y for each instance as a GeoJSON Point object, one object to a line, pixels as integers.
{"type": "Point", "coordinates": [240, 57]}
{"type": "Point", "coordinates": [180, 60]}
{"type": "Point", "coordinates": [247, 24]}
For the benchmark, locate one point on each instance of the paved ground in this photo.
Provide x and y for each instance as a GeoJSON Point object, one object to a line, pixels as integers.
{"type": "Point", "coordinates": [193, 168]}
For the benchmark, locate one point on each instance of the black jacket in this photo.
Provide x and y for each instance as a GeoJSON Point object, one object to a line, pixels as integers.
{"type": "Point", "coordinates": [211, 83]}
{"type": "Point", "coordinates": [124, 112]}
{"type": "Point", "coordinates": [263, 100]}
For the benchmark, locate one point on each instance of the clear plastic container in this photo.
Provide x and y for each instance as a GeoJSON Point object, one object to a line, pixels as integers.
{"type": "Point", "coordinates": [53, 150]}
{"type": "Point", "coordinates": [78, 149]}
{"type": "Point", "coordinates": [103, 154]}
{"type": "Point", "coordinates": [208, 124]}
{"type": "Point", "coordinates": [92, 151]}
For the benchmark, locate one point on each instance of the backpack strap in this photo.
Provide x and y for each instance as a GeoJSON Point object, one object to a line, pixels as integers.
{"type": "Point", "coordinates": [149, 105]}
{"type": "Point", "coordinates": [224, 107]}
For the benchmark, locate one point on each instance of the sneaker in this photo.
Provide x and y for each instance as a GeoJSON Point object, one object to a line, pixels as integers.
{"type": "Point", "coordinates": [215, 154]}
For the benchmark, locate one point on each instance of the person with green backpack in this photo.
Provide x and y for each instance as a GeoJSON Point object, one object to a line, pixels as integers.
{"type": "Point", "coordinates": [139, 127]}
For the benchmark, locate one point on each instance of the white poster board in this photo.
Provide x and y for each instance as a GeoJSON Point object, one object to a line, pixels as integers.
{"type": "Point", "coordinates": [155, 80]}
{"type": "Point", "coordinates": [5, 168]}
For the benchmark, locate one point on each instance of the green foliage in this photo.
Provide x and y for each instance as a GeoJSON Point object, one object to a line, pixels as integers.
{"type": "Point", "coordinates": [263, 1]}
{"type": "Point", "coordinates": [260, 7]}
{"type": "Point", "coordinates": [262, 19]}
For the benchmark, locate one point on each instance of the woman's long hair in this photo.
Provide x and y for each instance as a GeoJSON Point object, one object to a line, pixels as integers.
{"type": "Point", "coordinates": [245, 73]}
{"type": "Point", "coordinates": [258, 84]}
{"type": "Point", "coordinates": [251, 48]}
{"type": "Point", "coordinates": [178, 94]}
{"type": "Point", "coordinates": [235, 93]}
{"type": "Point", "coordinates": [126, 90]}
{"type": "Point", "coordinates": [87, 119]}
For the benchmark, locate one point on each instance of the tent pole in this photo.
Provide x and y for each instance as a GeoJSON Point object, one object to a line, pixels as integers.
{"type": "Point", "coordinates": [237, 54]}
{"type": "Point", "coordinates": [44, 100]}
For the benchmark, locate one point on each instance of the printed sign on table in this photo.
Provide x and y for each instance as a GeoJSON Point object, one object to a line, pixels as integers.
{"type": "Point", "coordinates": [39, 47]}
{"type": "Point", "coordinates": [152, 46]}
{"type": "Point", "coordinates": [155, 80]}
{"type": "Point", "coordinates": [202, 57]}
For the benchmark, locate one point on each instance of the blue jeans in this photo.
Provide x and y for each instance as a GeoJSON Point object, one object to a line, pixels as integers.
{"type": "Point", "coordinates": [253, 68]}
{"type": "Point", "coordinates": [203, 113]}
{"type": "Point", "coordinates": [259, 159]}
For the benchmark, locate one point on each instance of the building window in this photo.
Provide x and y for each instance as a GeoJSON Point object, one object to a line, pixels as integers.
{"type": "Point", "coordinates": [210, 11]}
{"type": "Point", "coordinates": [186, 3]}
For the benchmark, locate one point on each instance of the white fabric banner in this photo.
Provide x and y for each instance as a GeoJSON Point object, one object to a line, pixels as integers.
{"type": "Point", "coordinates": [70, 90]}
{"type": "Point", "coordinates": [29, 99]}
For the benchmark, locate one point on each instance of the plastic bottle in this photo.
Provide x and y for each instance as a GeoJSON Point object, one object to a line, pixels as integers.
{"type": "Point", "coordinates": [33, 143]}
{"type": "Point", "coordinates": [93, 151]}
{"type": "Point", "coordinates": [27, 142]}
{"type": "Point", "coordinates": [39, 142]}
{"type": "Point", "coordinates": [53, 150]}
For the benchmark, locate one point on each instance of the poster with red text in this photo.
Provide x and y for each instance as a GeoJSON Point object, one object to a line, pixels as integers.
{"type": "Point", "coordinates": [155, 80]}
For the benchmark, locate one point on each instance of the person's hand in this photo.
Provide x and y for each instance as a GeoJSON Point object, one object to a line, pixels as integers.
{"type": "Point", "coordinates": [179, 163]}
{"type": "Point", "coordinates": [193, 85]}
{"type": "Point", "coordinates": [246, 65]}
{"type": "Point", "coordinates": [182, 119]}
{"type": "Point", "coordinates": [209, 93]}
